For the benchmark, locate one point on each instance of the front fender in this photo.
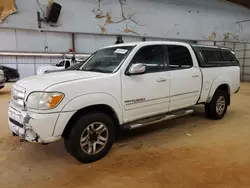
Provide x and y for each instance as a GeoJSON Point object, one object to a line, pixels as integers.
{"type": "Point", "coordinates": [91, 99]}
{"type": "Point", "coordinates": [220, 80]}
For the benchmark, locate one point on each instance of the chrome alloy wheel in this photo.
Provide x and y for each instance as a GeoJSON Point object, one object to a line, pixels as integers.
{"type": "Point", "coordinates": [94, 138]}
{"type": "Point", "coordinates": [220, 105]}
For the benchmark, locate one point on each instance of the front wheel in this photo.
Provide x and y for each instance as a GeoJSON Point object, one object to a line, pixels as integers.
{"type": "Point", "coordinates": [91, 137]}
{"type": "Point", "coordinates": [217, 108]}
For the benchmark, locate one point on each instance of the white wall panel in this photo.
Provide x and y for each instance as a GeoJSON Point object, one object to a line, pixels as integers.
{"type": "Point", "coordinates": [30, 41]}
{"type": "Point", "coordinates": [88, 43]}
{"type": "Point", "coordinates": [54, 60]}
{"type": "Point", "coordinates": [239, 46]}
{"type": "Point", "coordinates": [58, 42]}
{"type": "Point", "coordinates": [26, 66]}
{"type": "Point", "coordinates": [206, 42]}
{"type": "Point", "coordinates": [26, 70]}
{"type": "Point", "coordinates": [229, 45]}
{"type": "Point", "coordinates": [8, 61]}
{"type": "Point", "coordinates": [7, 40]}
{"type": "Point", "coordinates": [239, 54]}
{"type": "Point", "coordinates": [42, 60]}
{"type": "Point", "coordinates": [247, 70]}
{"type": "Point", "coordinates": [246, 78]}
{"type": "Point", "coordinates": [241, 62]}
{"type": "Point", "coordinates": [247, 62]}
{"type": "Point", "coordinates": [220, 44]}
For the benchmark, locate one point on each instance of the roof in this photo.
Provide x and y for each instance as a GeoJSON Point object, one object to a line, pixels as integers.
{"type": "Point", "coordinates": [143, 43]}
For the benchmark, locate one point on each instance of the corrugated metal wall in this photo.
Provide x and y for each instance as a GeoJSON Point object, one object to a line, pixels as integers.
{"type": "Point", "coordinates": [27, 66]}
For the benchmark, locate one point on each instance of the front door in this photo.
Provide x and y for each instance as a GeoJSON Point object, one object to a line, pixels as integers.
{"type": "Point", "coordinates": [148, 94]}
{"type": "Point", "coordinates": [185, 76]}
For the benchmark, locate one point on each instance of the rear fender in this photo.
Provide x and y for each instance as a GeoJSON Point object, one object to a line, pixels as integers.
{"type": "Point", "coordinates": [221, 80]}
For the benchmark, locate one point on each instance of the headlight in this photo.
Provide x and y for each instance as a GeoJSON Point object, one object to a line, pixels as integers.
{"type": "Point", "coordinates": [44, 100]}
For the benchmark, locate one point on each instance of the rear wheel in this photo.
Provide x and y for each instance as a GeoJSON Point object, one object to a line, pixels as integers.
{"type": "Point", "coordinates": [217, 108]}
{"type": "Point", "coordinates": [91, 137]}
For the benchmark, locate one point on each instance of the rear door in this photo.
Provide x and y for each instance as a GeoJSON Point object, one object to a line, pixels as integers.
{"type": "Point", "coordinates": [185, 77]}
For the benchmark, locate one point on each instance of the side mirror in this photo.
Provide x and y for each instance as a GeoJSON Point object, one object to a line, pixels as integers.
{"type": "Point", "coordinates": [136, 69]}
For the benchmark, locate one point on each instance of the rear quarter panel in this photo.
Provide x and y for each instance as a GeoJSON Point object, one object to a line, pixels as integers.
{"type": "Point", "coordinates": [213, 77]}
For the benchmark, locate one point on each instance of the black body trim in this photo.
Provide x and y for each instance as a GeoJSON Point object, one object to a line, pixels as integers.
{"type": "Point", "coordinates": [16, 122]}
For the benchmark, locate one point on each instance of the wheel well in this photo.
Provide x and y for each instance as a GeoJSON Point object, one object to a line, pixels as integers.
{"type": "Point", "coordinates": [226, 88]}
{"type": "Point", "coordinates": [98, 108]}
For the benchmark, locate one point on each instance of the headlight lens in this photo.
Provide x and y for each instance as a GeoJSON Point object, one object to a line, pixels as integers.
{"type": "Point", "coordinates": [44, 100]}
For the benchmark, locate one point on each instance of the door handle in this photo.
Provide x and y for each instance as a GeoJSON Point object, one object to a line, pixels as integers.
{"type": "Point", "coordinates": [196, 76]}
{"type": "Point", "coordinates": [161, 80]}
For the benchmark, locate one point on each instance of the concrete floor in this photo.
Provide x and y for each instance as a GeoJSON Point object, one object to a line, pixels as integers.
{"type": "Point", "coordinates": [188, 152]}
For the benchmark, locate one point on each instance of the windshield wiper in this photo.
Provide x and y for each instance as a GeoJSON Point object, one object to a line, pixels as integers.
{"type": "Point", "coordinates": [96, 70]}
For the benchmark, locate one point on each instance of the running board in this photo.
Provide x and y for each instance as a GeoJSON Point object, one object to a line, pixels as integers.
{"type": "Point", "coordinates": [156, 119]}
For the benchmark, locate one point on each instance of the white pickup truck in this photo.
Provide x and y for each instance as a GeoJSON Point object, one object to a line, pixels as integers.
{"type": "Point", "coordinates": [62, 65]}
{"type": "Point", "coordinates": [122, 86]}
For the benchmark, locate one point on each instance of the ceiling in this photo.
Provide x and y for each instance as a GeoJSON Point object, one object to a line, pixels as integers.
{"type": "Point", "coordinates": [245, 3]}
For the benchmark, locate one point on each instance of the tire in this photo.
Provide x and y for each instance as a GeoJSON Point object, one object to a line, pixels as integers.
{"type": "Point", "coordinates": [217, 108]}
{"type": "Point", "coordinates": [66, 145]}
{"type": "Point", "coordinates": [96, 130]}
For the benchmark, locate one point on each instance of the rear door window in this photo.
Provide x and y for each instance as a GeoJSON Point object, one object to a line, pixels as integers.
{"type": "Point", "coordinates": [179, 57]}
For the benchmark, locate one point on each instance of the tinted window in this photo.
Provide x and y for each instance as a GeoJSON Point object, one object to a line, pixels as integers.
{"type": "Point", "coordinates": [61, 64]}
{"type": "Point", "coordinates": [67, 64]}
{"type": "Point", "coordinates": [179, 57]}
{"type": "Point", "coordinates": [218, 55]}
{"type": "Point", "coordinates": [212, 55]}
{"type": "Point", "coordinates": [228, 56]}
{"type": "Point", "coordinates": [151, 56]}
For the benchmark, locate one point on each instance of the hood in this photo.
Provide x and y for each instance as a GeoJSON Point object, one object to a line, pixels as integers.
{"type": "Point", "coordinates": [41, 82]}
{"type": "Point", "coordinates": [56, 70]}
{"type": "Point", "coordinates": [41, 70]}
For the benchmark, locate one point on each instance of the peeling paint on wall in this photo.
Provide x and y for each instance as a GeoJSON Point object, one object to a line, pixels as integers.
{"type": "Point", "coordinates": [7, 7]}
{"type": "Point", "coordinates": [124, 18]}
{"type": "Point", "coordinates": [212, 36]}
{"type": "Point", "coordinates": [230, 37]}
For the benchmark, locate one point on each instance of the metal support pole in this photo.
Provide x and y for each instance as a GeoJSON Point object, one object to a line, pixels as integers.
{"type": "Point", "coordinates": [35, 65]}
{"type": "Point", "coordinates": [73, 43]}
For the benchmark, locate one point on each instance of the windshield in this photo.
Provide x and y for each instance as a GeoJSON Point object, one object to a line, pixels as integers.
{"type": "Point", "coordinates": [107, 60]}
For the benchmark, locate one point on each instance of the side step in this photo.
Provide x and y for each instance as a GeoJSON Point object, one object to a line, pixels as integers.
{"type": "Point", "coordinates": [156, 119]}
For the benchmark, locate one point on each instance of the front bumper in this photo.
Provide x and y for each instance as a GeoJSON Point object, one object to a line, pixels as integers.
{"type": "Point", "coordinates": [33, 127]}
